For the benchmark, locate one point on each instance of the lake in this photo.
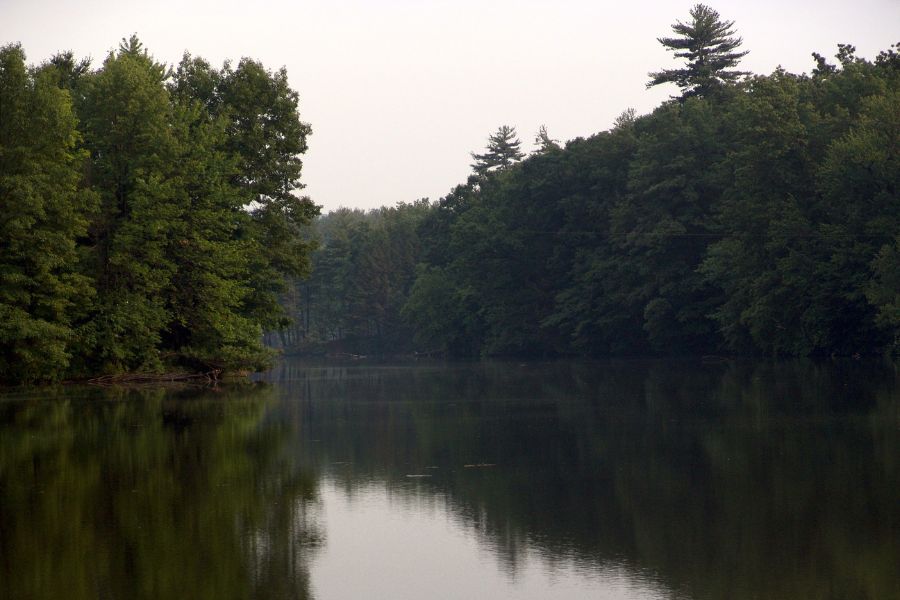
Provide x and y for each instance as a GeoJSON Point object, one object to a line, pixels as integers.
{"type": "Point", "coordinates": [631, 479]}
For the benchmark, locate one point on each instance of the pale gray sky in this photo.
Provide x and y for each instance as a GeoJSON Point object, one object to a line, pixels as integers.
{"type": "Point", "coordinates": [398, 92]}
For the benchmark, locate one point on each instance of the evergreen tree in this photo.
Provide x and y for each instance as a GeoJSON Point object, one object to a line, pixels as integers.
{"type": "Point", "coordinates": [544, 142]}
{"type": "Point", "coordinates": [501, 152]}
{"type": "Point", "coordinates": [128, 125]}
{"type": "Point", "coordinates": [69, 71]}
{"type": "Point", "coordinates": [42, 213]}
{"type": "Point", "coordinates": [708, 44]}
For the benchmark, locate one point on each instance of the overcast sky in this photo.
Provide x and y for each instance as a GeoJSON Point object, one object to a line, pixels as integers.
{"type": "Point", "coordinates": [398, 92]}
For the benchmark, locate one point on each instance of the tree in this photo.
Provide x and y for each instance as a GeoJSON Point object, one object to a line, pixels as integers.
{"type": "Point", "coordinates": [884, 290]}
{"type": "Point", "coordinates": [267, 137]}
{"type": "Point", "coordinates": [42, 214]}
{"type": "Point", "coordinates": [708, 44]}
{"type": "Point", "coordinates": [544, 142]}
{"type": "Point", "coordinates": [68, 71]}
{"type": "Point", "coordinates": [262, 141]}
{"type": "Point", "coordinates": [128, 128]}
{"type": "Point", "coordinates": [501, 152]}
{"type": "Point", "coordinates": [363, 269]}
{"type": "Point", "coordinates": [209, 285]}
{"type": "Point", "coordinates": [159, 234]}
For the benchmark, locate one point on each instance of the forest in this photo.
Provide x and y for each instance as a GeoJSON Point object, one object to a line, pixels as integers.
{"type": "Point", "coordinates": [150, 218]}
{"type": "Point", "coordinates": [750, 215]}
{"type": "Point", "coordinates": [153, 219]}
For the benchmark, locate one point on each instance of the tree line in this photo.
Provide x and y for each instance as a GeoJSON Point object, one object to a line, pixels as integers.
{"type": "Point", "coordinates": [752, 215]}
{"type": "Point", "coordinates": [363, 267]}
{"type": "Point", "coordinates": [148, 214]}
{"type": "Point", "coordinates": [153, 218]}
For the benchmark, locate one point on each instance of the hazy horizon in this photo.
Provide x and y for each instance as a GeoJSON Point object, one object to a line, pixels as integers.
{"type": "Point", "coordinates": [398, 93]}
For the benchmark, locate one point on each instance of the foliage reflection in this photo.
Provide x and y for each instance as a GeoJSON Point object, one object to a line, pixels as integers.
{"type": "Point", "coordinates": [740, 481]}
{"type": "Point", "coordinates": [151, 494]}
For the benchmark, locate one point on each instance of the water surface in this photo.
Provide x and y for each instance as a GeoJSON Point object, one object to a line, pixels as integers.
{"type": "Point", "coordinates": [624, 479]}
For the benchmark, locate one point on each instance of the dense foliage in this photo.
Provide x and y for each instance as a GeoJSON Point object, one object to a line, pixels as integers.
{"type": "Point", "coordinates": [362, 272]}
{"type": "Point", "coordinates": [149, 217]}
{"type": "Point", "coordinates": [151, 220]}
{"type": "Point", "coordinates": [760, 218]}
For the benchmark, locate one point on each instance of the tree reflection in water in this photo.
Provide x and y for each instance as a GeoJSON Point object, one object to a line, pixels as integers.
{"type": "Point", "coordinates": [739, 480]}
{"type": "Point", "coordinates": [151, 494]}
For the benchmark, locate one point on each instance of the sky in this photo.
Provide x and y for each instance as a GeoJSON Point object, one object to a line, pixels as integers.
{"type": "Point", "coordinates": [399, 92]}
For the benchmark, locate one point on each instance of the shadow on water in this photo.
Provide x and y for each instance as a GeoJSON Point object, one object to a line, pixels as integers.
{"type": "Point", "coordinates": [151, 493]}
{"type": "Point", "coordinates": [740, 480]}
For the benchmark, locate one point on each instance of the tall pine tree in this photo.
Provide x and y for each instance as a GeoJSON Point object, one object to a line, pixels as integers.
{"type": "Point", "coordinates": [709, 45]}
{"type": "Point", "coordinates": [501, 152]}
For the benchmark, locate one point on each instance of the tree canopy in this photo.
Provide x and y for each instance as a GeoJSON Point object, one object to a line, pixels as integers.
{"type": "Point", "coordinates": [759, 221]}
{"type": "Point", "coordinates": [154, 218]}
{"type": "Point", "coordinates": [151, 214]}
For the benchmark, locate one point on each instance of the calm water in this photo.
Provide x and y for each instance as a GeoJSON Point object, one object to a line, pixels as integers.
{"type": "Point", "coordinates": [632, 480]}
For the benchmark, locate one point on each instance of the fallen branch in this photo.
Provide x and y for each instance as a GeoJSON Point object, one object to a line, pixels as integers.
{"type": "Point", "coordinates": [139, 378]}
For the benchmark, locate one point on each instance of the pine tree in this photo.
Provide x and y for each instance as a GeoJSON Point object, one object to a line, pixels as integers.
{"type": "Point", "coordinates": [128, 127]}
{"type": "Point", "coordinates": [544, 142]}
{"type": "Point", "coordinates": [42, 213]}
{"type": "Point", "coordinates": [708, 44]}
{"type": "Point", "coordinates": [501, 152]}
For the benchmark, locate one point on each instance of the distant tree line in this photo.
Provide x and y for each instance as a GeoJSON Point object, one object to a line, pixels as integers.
{"type": "Point", "coordinates": [754, 215]}
{"type": "Point", "coordinates": [362, 271]}
{"type": "Point", "coordinates": [147, 214]}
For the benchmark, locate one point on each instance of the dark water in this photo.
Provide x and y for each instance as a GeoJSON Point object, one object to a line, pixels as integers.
{"type": "Point", "coordinates": [559, 480]}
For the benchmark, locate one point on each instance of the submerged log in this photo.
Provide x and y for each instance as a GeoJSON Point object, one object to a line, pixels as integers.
{"type": "Point", "coordinates": [211, 376]}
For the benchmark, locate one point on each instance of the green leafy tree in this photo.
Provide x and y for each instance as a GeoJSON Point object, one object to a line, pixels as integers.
{"type": "Point", "coordinates": [502, 151]}
{"type": "Point", "coordinates": [68, 70]}
{"type": "Point", "coordinates": [594, 308]}
{"type": "Point", "coordinates": [166, 238]}
{"type": "Point", "coordinates": [444, 315]}
{"type": "Point", "coordinates": [128, 123]}
{"type": "Point", "coordinates": [209, 284]}
{"type": "Point", "coordinates": [860, 183]}
{"type": "Point", "coordinates": [43, 214]}
{"type": "Point", "coordinates": [267, 137]}
{"type": "Point", "coordinates": [662, 225]}
{"type": "Point", "coordinates": [710, 48]}
{"type": "Point", "coordinates": [766, 230]}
